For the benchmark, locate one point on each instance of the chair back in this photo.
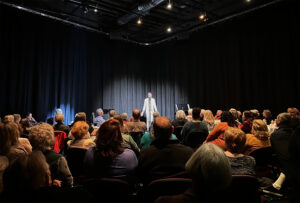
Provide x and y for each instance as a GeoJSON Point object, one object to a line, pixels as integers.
{"type": "Point", "coordinates": [166, 187]}
{"type": "Point", "coordinates": [75, 159]}
{"type": "Point", "coordinates": [194, 139]}
{"type": "Point", "coordinates": [59, 143]}
{"type": "Point", "coordinates": [177, 132]}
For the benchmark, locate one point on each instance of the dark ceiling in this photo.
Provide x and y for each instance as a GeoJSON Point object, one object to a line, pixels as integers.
{"type": "Point", "coordinates": [118, 18]}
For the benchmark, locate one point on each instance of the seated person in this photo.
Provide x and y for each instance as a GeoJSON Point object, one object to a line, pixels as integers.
{"type": "Point", "coordinates": [108, 158]}
{"type": "Point", "coordinates": [41, 137]}
{"type": "Point", "coordinates": [165, 157]}
{"type": "Point", "coordinates": [259, 136]}
{"type": "Point", "coordinates": [99, 119]}
{"type": "Point", "coordinates": [247, 120]}
{"type": "Point", "coordinates": [60, 126]}
{"type": "Point", "coordinates": [136, 125]}
{"type": "Point", "coordinates": [81, 116]}
{"type": "Point", "coordinates": [241, 164]}
{"type": "Point", "coordinates": [81, 135]}
{"type": "Point", "coordinates": [148, 137]}
{"type": "Point", "coordinates": [207, 183]}
{"type": "Point", "coordinates": [180, 119]}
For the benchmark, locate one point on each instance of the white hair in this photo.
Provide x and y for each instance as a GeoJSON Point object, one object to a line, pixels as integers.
{"type": "Point", "coordinates": [59, 111]}
{"type": "Point", "coordinates": [209, 168]}
{"type": "Point", "coordinates": [180, 114]}
{"type": "Point", "coordinates": [99, 111]}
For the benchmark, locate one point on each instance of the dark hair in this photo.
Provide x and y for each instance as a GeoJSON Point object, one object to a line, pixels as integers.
{"type": "Point", "coordinates": [81, 116]}
{"type": "Point", "coordinates": [227, 117]}
{"type": "Point", "coordinates": [196, 113]}
{"type": "Point", "coordinates": [118, 118]}
{"type": "Point", "coordinates": [268, 116]}
{"type": "Point", "coordinates": [136, 114]}
{"type": "Point", "coordinates": [109, 139]}
{"type": "Point", "coordinates": [248, 116]}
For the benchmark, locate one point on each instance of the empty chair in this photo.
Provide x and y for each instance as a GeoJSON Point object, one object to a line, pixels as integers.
{"type": "Point", "coordinates": [59, 143]}
{"type": "Point", "coordinates": [194, 139]}
{"type": "Point", "coordinates": [167, 186]}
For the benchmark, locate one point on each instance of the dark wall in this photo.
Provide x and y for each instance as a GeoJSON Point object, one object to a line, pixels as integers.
{"type": "Point", "coordinates": [248, 62]}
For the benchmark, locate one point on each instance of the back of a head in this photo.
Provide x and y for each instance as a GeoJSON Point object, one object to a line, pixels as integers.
{"type": "Point", "coordinates": [190, 111]}
{"type": "Point", "coordinates": [227, 117]}
{"type": "Point", "coordinates": [26, 174]}
{"type": "Point", "coordinates": [260, 129]}
{"type": "Point", "coordinates": [17, 118]}
{"type": "Point", "coordinates": [8, 118]}
{"type": "Point", "coordinates": [234, 113]}
{"type": "Point", "coordinates": [136, 114]}
{"type": "Point", "coordinates": [79, 129]}
{"type": "Point", "coordinates": [112, 113]}
{"type": "Point", "coordinates": [59, 111]}
{"type": "Point", "coordinates": [255, 113]}
{"type": "Point", "coordinates": [248, 115]}
{"type": "Point", "coordinates": [235, 140]}
{"type": "Point", "coordinates": [284, 118]}
{"type": "Point", "coordinates": [156, 114]}
{"type": "Point", "coordinates": [162, 128]}
{"type": "Point", "coordinates": [59, 118]}
{"type": "Point", "coordinates": [118, 117]}
{"type": "Point", "coordinates": [9, 134]}
{"type": "Point", "coordinates": [294, 112]}
{"type": "Point", "coordinates": [109, 139]}
{"type": "Point", "coordinates": [124, 116]}
{"type": "Point", "coordinates": [41, 137]}
{"type": "Point", "coordinates": [196, 114]}
{"type": "Point", "coordinates": [180, 114]}
{"type": "Point", "coordinates": [81, 116]}
{"type": "Point", "coordinates": [209, 117]}
{"type": "Point", "coordinates": [209, 168]}
{"type": "Point", "coordinates": [25, 123]}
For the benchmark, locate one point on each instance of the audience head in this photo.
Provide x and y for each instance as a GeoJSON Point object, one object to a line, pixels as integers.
{"type": "Point", "coordinates": [124, 116]}
{"type": "Point", "coordinates": [155, 114]}
{"type": "Point", "coordinates": [81, 116]}
{"type": "Point", "coordinates": [118, 117]}
{"type": "Point", "coordinates": [190, 111]}
{"type": "Point", "coordinates": [59, 118]}
{"type": "Point", "coordinates": [25, 125]}
{"type": "Point", "coordinates": [283, 119]}
{"type": "Point", "coordinates": [196, 113]}
{"type": "Point", "coordinates": [149, 95]}
{"type": "Point", "coordinates": [294, 112]}
{"type": "Point", "coordinates": [8, 118]}
{"type": "Point", "coordinates": [219, 113]}
{"type": "Point", "coordinates": [27, 173]}
{"type": "Point", "coordinates": [99, 112]}
{"type": "Point", "coordinates": [260, 129]}
{"type": "Point", "coordinates": [17, 118]}
{"type": "Point", "coordinates": [209, 117]}
{"type": "Point", "coordinates": [209, 168]}
{"type": "Point", "coordinates": [136, 114]}
{"type": "Point", "coordinates": [41, 137]}
{"type": "Point", "coordinates": [267, 115]}
{"type": "Point", "coordinates": [111, 113]}
{"type": "Point", "coordinates": [180, 114]}
{"type": "Point", "coordinates": [59, 111]}
{"type": "Point", "coordinates": [109, 139]}
{"type": "Point", "coordinates": [248, 116]}
{"type": "Point", "coordinates": [234, 113]}
{"type": "Point", "coordinates": [79, 130]}
{"type": "Point", "coordinates": [255, 113]}
{"type": "Point", "coordinates": [162, 128]}
{"type": "Point", "coordinates": [9, 134]}
{"type": "Point", "coordinates": [227, 117]}
{"type": "Point", "coordinates": [235, 140]}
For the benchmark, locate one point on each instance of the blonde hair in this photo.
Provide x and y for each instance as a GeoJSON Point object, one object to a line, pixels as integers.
{"type": "Point", "coordinates": [180, 114]}
{"type": "Point", "coordinates": [209, 117]}
{"type": "Point", "coordinates": [8, 118]}
{"type": "Point", "coordinates": [190, 111]}
{"type": "Point", "coordinates": [260, 129]}
{"type": "Point", "coordinates": [59, 118]}
{"type": "Point", "coordinates": [41, 137]}
{"type": "Point", "coordinates": [79, 129]}
{"type": "Point", "coordinates": [235, 140]}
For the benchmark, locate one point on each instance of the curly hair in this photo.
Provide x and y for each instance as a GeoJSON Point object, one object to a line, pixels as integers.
{"type": "Point", "coordinates": [260, 129]}
{"type": "Point", "coordinates": [9, 134]}
{"type": "Point", "coordinates": [109, 139]}
{"type": "Point", "coordinates": [41, 137]}
{"type": "Point", "coordinates": [79, 129]}
{"type": "Point", "coordinates": [235, 140]}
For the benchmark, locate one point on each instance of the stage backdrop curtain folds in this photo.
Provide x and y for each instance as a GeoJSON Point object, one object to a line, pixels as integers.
{"type": "Point", "coordinates": [248, 62]}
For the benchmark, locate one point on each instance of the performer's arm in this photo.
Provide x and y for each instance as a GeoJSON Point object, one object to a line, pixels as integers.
{"type": "Point", "coordinates": [144, 108]}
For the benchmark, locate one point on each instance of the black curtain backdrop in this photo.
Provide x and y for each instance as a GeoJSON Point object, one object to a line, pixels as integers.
{"type": "Point", "coordinates": [248, 62]}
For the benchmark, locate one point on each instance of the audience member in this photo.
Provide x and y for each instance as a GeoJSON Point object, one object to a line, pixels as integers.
{"type": "Point", "coordinates": [99, 119]}
{"type": "Point", "coordinates": [165, 157]}
{"type": "Point", "coordinates": [31, 120]}
{"type": "Point", "coordinates": [217, 135]}
{"type": "Point", "coordinates": [247, 122]}
{"type": "Point", "coordinates": [41, 137]}
{"type": "Point", "coordinates": [24, 128]}
{"type": "Point", "coordinates": [111, 113]}
{"type": "Point", "coordinates": [180, 119]}
{"type": "Point", "coordinates": [295, 117]}
{"type": "Point", "coordinates": [136, 125]}
{"type": "Point", "coordinates": [82, 139]}
{"type": "Point", "coordinates": [267, 116]}
{"type": "Point", "coordinates": [124, 117]}
{"type": "Point", "coordinates": [235, 114]}
{"type": "Point", "coordinates": [81, 116]}
{"type": "Point", "coordinates": [259, 136]}
{"type": "Point", "coordinates": [8, 118]}
{"type": "Point", "coordinates": [195, 125]}
{"type": "Point", "coordinates": [209, 120]}
{"type": "Point", "coordinates": [235, 140]}
{"type": "Point", "coordinates": [255, 113]}
{"type": "Point", "coordinates": [60, 126]}
{"type": "Point", "coordinates": [218, 116]}
{"type": "Point", "coordinates": [189, 116]}
{"type": "Point", "coordinates": [210, 171]}
{"type": "Point", "coordinates": [17, 118]}
{"type": "Point", "coordinates": [108, 158]}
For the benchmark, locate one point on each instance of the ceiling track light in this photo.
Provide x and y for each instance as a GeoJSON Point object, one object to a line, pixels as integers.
{"type": "Point", "coordinates": [169, 29]}
{"type": "Point", "coordinates": [169, 5]}
{"type": "Point", "coordinates": [203, 17]}
{"type": "Point", "coordinates": [139, 21]}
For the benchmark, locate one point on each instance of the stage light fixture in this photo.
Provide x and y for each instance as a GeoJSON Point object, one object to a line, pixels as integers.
{"type": "Point", "coordinates": [169, 5]}
{"type": "Point", "coordinates": [169, 29]}
{"type": "Point", "coordinates": [96, 10]}
{"type": "Point", "coordinates": [139, 21]}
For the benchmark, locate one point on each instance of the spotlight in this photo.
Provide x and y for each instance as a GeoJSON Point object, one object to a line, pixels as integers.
{"type": "Point", "coordinates": [96, 10]}
{"type": "Point", "coordinates": [139, 21]}
{"type": "Point", "coordinates": [202, 16]}
{"type": "Point", "coordinates": [169, 5]}
{"type": "Point", "coordinates": [169, 29]}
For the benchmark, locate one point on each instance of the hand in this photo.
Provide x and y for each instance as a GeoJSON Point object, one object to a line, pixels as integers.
{"type": "Point", "coordinates": [56, 183]}
{"type": "Point", "coordinates": [142, 114]}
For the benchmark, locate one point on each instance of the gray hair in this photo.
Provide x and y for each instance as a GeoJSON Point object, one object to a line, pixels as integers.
{"type": "Point", "coordinates": [180, 114]}
{"type": "Point", "coordinates": [209, 168]}
{"type": "Point", "coordinates": [124, 116]}
{"type": "Point", "coordinates": [59, 111]}
{"type": "Point", "coordinates": [99, 111]}
{"type": "Point", "coordinates": [156, 114]}
{"type": "Point", "coordinates": [41, 137]}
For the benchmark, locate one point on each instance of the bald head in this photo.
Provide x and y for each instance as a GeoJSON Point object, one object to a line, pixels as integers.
{"type": "Point", "coordinates": [136, 114]}
{"type": "Point", "coordinates": [162, 127]}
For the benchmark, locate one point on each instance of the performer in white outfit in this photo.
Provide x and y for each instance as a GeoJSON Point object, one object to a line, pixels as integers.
{"type": "Point", "coordinates": [149, 107]}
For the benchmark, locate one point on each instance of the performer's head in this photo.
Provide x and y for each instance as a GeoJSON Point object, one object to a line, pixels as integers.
{"type": "Point", "coordinates": [136, 114]}
{"type": "Point", "coordinates": [149, 95]}
{"type": "Point", "coordinates": [162, 128]}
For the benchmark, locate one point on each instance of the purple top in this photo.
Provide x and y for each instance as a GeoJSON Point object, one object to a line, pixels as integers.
{"type": "Point", "coordinates": [120, 167]}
